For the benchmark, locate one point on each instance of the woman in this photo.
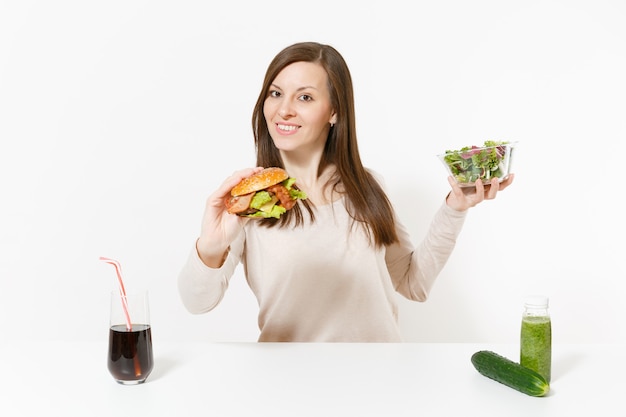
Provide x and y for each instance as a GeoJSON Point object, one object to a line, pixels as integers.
{"type": "Point", "coordinates": [327, 270]}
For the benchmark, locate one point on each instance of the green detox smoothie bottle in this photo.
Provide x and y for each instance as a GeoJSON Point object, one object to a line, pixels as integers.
{"type": "Point", "coordinates": [536, 336]}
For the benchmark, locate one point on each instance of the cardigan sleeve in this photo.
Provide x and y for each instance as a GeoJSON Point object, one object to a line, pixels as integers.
{"type": "Point", "coordinates": [201, 288]}
{"type": "Point", "coordinates": [413, 270]}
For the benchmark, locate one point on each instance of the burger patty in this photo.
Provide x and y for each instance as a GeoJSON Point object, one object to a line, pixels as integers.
{"type": "Point", "coordinates": [238, 204]}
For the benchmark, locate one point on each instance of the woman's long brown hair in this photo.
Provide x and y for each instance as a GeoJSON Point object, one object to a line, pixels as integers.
{"type": "Point", "coordinates": [366, 201]}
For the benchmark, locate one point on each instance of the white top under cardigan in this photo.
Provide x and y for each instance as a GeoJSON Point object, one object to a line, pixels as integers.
{"type": "Point", "coordinates": [324, 282]}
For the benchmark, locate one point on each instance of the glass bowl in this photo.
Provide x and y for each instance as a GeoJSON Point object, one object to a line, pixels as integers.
{"type": "Point", "coordinates": [471, 163]}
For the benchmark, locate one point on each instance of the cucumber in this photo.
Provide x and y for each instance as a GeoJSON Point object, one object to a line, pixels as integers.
{"type": "Point", "coordinates": [510, 373]}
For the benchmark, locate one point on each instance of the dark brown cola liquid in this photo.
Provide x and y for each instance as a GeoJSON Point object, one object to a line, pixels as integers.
{"type": "Point", "coordinates": [130, 352]}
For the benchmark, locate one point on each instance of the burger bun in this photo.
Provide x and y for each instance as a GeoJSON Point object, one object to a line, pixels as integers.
{"type": "Point", "coordinates": [259, 181]}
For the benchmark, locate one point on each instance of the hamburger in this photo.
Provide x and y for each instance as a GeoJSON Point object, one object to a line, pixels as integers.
{"type": "Point", "coordinates": [266, 194]}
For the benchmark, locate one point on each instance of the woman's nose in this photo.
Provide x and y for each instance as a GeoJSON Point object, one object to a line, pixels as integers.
{"type": "Point", "coordinates": [285, 110]}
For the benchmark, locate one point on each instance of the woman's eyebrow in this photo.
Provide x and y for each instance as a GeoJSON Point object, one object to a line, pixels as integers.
{"type": "Point", "coordinates": [298, 89]}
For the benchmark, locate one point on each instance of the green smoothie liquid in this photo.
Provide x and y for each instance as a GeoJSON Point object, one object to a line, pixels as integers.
{"type": "Point", "coordinates": [536, 345]}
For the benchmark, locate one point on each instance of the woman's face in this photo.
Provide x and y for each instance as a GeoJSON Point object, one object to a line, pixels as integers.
{"type": "Point", "coordinates": [298, 109]}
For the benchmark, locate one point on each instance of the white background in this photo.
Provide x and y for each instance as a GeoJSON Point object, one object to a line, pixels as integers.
{"type": "Point", "coordinates": [118, 118]}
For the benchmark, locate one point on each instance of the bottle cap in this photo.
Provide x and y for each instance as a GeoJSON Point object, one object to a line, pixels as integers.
{"type": "Point", "coordinates": [536, 301]}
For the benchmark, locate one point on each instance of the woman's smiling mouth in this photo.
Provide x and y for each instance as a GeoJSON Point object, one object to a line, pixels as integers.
{"type": "Point", "coordinates": [286, 128]}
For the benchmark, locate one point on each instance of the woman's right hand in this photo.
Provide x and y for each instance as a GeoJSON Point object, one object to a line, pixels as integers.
{"type": "Point", "coordinates": [219, 228]}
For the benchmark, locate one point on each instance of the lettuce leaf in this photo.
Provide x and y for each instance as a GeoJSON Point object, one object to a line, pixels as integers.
{"type": "Point", "coordinates": [259, 199]}
{"type": "Point", "coordinates": [293, 193]}
{"type": "Point", "coordinates": [276, 212]}
{"type": "Point", "coordinates": [297, 194]}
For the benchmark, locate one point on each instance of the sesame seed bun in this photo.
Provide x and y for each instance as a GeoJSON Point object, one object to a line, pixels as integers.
{"type": "Point", "coordinates": [259, 181]}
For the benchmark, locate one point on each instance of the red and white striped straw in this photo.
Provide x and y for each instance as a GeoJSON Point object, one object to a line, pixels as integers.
{"type": "Point", "coordinates": [120, 282]}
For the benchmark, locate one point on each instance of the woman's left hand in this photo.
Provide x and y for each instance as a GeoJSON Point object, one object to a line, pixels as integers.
{"type": "Point", "coordinates": [462, 199]}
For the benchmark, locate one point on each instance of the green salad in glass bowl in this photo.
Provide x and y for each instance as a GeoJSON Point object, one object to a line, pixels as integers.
{"type": "Point", "coordinates": [471, 163]}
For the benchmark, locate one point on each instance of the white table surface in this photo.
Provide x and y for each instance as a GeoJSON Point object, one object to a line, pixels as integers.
{"type": "Point", "coordinates": [254, 379]}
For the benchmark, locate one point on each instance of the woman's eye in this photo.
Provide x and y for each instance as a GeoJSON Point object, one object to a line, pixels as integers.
{"type": "Point", "coordinates": [306, 97]}
{"type": "Point", "coordinates": [274, 93]}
